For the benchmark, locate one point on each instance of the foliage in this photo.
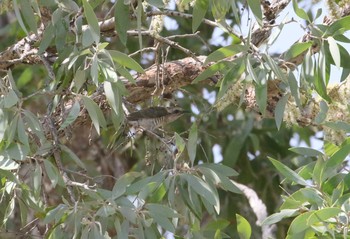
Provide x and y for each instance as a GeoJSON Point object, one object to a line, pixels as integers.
{"type": "Point", "coordinates": [72, 167]}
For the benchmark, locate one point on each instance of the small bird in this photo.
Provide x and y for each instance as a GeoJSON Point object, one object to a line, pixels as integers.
{"type": "Point", "coordinates": [154, 117]}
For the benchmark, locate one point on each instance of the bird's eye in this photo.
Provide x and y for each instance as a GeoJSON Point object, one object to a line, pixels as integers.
{"type": "Point", "coordinates": [176, 111]}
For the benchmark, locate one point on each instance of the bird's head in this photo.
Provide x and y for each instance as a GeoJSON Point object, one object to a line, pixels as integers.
{"type": "Point", "coordinates": [175, 112]}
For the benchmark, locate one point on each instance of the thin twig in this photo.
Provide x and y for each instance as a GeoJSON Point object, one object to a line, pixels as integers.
{"type": "Point", "coordinates": [142, 50]}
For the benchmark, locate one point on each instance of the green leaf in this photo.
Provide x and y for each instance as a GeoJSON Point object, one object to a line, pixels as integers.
{"type": "Point", "coordinates": [217, 224]}
{"type": "Point", "coordinates": [191, 199]}
{"type": "Point", "coordinates": [88, 38]}
{"type": "Point", "coordinates": [320, 78]}
{"type": "Point", "coordinates": [122, 20]}
{"type": "Point", "coordinates": [156, 3]}
{"type": "Point", "coordinates": [297, 49]}
{"type": "Point", "coordinates": [255, 6]}
{"type": "Point", "coordinates": [92, 21]}
{"type": "Point", "coordinates": [69, 6]}
{"type": "Point", "coordinates": [219, 8]}
{"type": "Point", "coordinates": [279, 111]}
{"type": "Point", "coordinates": [277, 217]}
{"type": "Point", "coordinates": [73, 114]}
{"type": "Point", "coordinates": [52, 172]}
{"type": "Point", "coordinates": [299, 11]}
{"type": "Point", "coordinates": [310, 152]}
{"type": "Point", "coordinates": [37, 177]}
{"type": "Point", "coordinates": [299, 224]}
{"type": "Point", "coordinates": [106, 211]}
{"type": "Point", "coordinates": [224, 52]}
{"type": "Point", "coordinates": [200, 187]}
{"type": "Point", "coordinates": [293, 84]}
{"type": "Point", "coordinates": [124, 60]}
{"type": "Point", "coordinates": [275, 68]}
{"type": "Point", "coordinates": [162, 210]}
{"type": "Point", "coordinates": [28, 15]}
{"type": "Point", "coordinates": [212, 70]}
{"type": "Point", "coordinates": [23, 209]}
{"type": "Point", "coordinates": [335, 161]}
{"type": "Point", "coordinates": [199, 10]}
{"type": "Point", "coordinates": [322, 115]}
{"type": "Point", "coordinates": [21, 132]}
{"type": "Point", "coordinates": [79, 79]}
{"type": "Point", "coordinates": [8, 164]}
{"type": "Point", "coordinates": [122, 183]}
{"type": "Point", "coordinates": [48, 36]}
{"type": "Point", "coordinates": [95, 113]}
{"type": "Point", "coordinates": [251, 71]}
{"type": "Point", "coordinates": [322, 215]}
{"type": "Point", "coordinates": [339, 26]}
{"type": "Point", "coordinates": [287, 172]}
{"type": "Point", "coordinates": [73, 156]}
{"type": "Point", "coordinates": [180, 143]}
{"type": "Point", "coordinates": [9, 208]}
{"type": "Point", "coordinates": [19, 17]}
{"type": "Point", "coordinates": [10, 99]}
{"type": "Point", "coordinates": [161, 213]}
{"type": "Point", "coordinates": [338, 125]}
{"type": "Point", "coordinates": [55, 214]}
{"type": "Point", "coordinates": [113, 96]}
{"type": "Point", "coordinates": [302, 197]}
{"type": "Point", "coordinates": [243, 227]}
{"type": "Point", "coordinates": [11, 130]}
{"type": "Point", "coordinates": [231, 77]}
{"type": "Point", "coordinates": [237, 142]}
{"type": "Point", "coordinates": [192, 142]}
{"type": "Point", "coordinates": [261, 96]}
{"type": "Point", "coordinates": [17, 151]}
{"type": "Point", "coordinates": [334, 50]}
{"type": "Point", "coordinates": [94, 70]}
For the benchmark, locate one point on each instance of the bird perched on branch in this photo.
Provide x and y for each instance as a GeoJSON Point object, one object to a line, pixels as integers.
{"type": "Point", "coordinates": [154, 117]}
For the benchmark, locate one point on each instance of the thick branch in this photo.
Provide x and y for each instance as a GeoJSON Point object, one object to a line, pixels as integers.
{"type": "Point", "coordinates": [176, 74]}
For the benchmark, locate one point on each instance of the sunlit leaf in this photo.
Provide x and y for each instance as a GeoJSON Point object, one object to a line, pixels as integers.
{"type": "Point", "coordinates": [224, 52]}
{"type": "Point", "coordinates": [211, 70]}
{"type": "Point", "coordinates": [339, 26]}
{"type": "Point", "coordinates": [125, 60]}
{"type": "Point", "coordinates": [297, 49]}
{"type": "Point", "coordinates": [334, 50]}
{"type": "Point", "coordinates": [299, 11]}
{"type": "Point", "coordinates": [243, 227]}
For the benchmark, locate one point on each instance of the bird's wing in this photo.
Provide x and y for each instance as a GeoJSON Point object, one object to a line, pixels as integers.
{"type": "Point", "coordinates": [149, 113]}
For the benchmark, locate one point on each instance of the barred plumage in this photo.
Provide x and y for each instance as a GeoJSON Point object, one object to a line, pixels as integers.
{"type": "Point", "coordinates": [154, 117]}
